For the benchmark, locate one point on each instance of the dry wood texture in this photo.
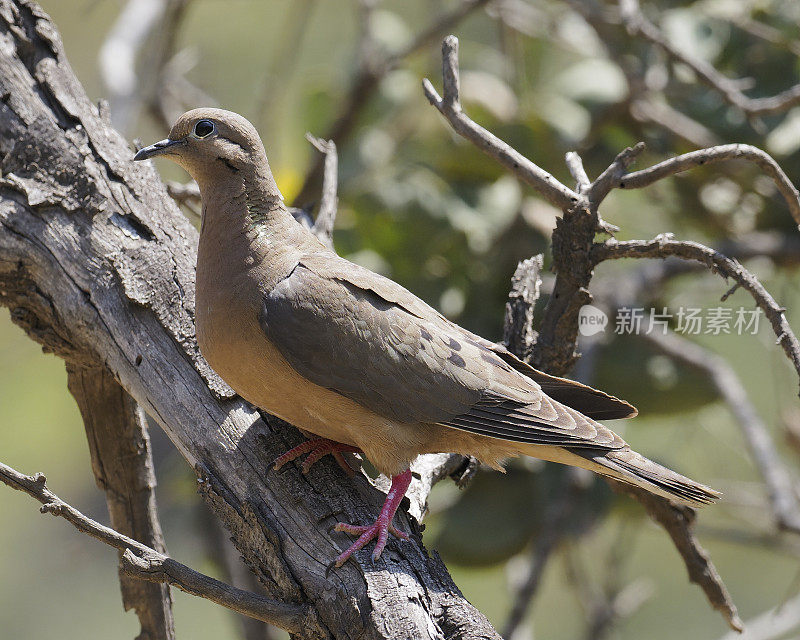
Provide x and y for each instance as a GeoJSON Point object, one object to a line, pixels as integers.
{"type": "Point", "coordinates": [97, 265]}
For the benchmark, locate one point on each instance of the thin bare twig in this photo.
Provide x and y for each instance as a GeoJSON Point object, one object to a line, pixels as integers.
{"type": "Point", "coordinates": [730, 89]}
{"type": "Point", "coordinates": [450, 107]}
{"type": "Point", "coordinates": [148, 564]}
{"type": "Point", "coordinates": [323, 225]}
{"type": "Point", "coordinates": [664, 246]}
{"type": "Point", "coordinates": [606, 181]}
{"type": "Point", "coordinates": [686, 161]}
{"type": "Point", "coordinates": [776, 476]}
{"type": "Point", "coordinates": [576, 170]}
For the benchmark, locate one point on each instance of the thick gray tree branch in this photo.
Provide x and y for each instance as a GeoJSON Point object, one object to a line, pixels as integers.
{"type": "Point", "coordinates": [97, 264]}
{"type": "Point", "coordinates": [119, 447]}
{"type": "Point", "coordinates": [143, 563]}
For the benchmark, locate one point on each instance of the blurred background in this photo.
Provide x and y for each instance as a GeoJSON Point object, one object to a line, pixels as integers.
{"type": "Point", "coordinates": [424, 207]}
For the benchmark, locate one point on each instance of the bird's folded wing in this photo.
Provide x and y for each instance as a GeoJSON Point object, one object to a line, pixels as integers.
{"type": "Point", "coordinates": [591, 402]}
{"type": "Point", "coordinates": [347, 329]}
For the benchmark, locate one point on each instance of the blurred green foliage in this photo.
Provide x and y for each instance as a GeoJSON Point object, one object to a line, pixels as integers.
{"type": "Point", "coordinates": [431, 211]}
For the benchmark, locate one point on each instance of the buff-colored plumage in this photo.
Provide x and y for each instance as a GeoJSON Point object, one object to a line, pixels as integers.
{"type": "Point", "coordinates": [352, 356]}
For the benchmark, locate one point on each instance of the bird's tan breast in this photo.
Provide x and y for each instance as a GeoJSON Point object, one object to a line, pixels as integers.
{"type": "Point", "coordinates": [233, 343]}
{"type": "Point", "coordinates": [230, 289]}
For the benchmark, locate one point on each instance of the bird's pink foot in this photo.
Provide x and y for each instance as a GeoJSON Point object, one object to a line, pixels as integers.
{"type": "Point", "coordinates": [382, 527]}
{"type": "Point", "coordinates": [317, 448]}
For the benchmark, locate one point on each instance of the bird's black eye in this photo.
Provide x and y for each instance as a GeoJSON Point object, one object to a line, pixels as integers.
{"type": "Point", "coordinates": [204, 128]}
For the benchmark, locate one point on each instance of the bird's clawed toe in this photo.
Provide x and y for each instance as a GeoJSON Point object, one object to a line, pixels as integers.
{"type": "Point", "coordinates": [382, 527]}
{"type": "Point", "coordinates": [317, 448]}
{"type": "Point", "coordinates": [380, 530]}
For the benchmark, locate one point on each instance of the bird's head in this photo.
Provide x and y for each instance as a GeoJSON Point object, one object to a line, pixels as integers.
{"type": "Point", "coordinates": [210, 143]}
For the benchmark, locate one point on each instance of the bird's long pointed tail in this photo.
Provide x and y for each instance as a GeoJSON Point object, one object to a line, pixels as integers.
{"type": "Point", "coordinates": [628, 466]}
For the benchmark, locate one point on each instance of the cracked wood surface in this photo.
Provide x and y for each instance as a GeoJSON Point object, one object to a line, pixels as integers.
{"type": "Point", "coordinates": [97, 264]}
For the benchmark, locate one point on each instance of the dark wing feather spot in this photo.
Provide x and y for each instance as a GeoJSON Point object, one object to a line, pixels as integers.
{"type": "Point", "coordinates": [495, 362]}
{"type": "Point", "coordinates": [457, 360]}
{"type": "Point", "coordinates": [346, 329]}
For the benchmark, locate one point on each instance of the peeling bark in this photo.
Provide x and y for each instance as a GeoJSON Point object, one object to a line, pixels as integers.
{"type": "Point", "coordinates": [97, 264]}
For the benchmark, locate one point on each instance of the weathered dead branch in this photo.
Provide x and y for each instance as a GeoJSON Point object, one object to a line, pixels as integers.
{"type": "Point", "coordinates": [97, 264]}
{"type": "Point", "coordinates": [142, 562]}
{"type": "Point", "coordinates": [574, 257]}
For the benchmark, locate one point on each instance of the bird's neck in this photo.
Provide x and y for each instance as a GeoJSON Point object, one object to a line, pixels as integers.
{"type": "Point", "coordinates": [246, 226]}
{"type": "Point", "coordinates": [235, 197]}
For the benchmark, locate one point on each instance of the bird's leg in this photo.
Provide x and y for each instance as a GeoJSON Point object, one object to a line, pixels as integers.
{"type": "Point", "coordinates": [382, 527]}
{"type": "Point", "coordinates": [317, 448]}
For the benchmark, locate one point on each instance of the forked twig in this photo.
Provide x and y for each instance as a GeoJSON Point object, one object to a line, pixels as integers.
{"type": "Point", "coordinates": [148, 564]}
{"type": "Point", "coordinates": [450, 107]}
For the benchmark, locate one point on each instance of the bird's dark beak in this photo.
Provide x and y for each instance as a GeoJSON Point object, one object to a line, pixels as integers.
{"type": "Point", "coordinates": [162, 147]}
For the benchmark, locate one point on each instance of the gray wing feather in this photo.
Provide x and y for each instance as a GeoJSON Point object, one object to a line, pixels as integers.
{"type": "Point", "coordinates": [369, 349]}
{"type": "Point", "coordinates": [347, 329]}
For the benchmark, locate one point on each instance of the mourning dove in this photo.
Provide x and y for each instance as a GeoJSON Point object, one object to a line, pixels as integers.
{"type": "Point", "coordinates": [357, 360]}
